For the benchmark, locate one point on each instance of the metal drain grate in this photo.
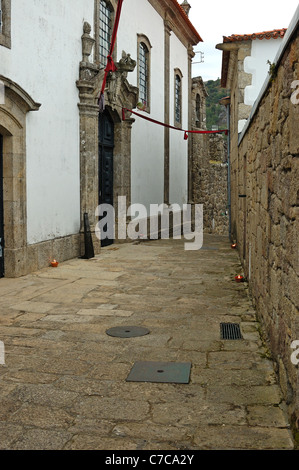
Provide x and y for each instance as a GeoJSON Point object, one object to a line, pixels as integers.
{"type": "Point", "coordinates": [230, 331]}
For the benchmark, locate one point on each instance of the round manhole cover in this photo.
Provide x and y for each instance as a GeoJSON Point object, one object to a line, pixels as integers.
{"type": "Point", "coordinates": [127, 331]}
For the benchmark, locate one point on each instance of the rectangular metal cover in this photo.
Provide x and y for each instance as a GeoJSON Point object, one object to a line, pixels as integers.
{"type": "Point", "coordinates": [162, 372]}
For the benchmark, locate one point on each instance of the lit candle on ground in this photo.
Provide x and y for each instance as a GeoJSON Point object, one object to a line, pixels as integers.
{"type": "Point", "coordinates": [239, 278]}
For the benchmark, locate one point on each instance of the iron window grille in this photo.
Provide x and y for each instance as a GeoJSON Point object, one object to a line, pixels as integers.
{"type": "Point", "coordinates": [143, 73]}
{"type": "Point", "coordinates": [105, 31]}
{"type": "Point", "coordinates": [178, 99]}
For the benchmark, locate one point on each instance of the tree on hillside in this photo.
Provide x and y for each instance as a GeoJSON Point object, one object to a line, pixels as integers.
{"type": "Point", "coordinates": [216, 113]}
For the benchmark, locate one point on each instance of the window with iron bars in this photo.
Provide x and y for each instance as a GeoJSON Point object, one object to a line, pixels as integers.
{"type": "Point", "coordinates": [105, 31]}
{"type": "Point", "coordinates": [143, 73]}
{"type": "Point", "coordinates": [178, 99]}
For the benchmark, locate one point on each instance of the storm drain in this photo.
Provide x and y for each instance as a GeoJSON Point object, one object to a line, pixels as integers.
{"type": "Point", "coordinates": [127, 331]}
{"type": "Point", "coordinates": [230, 331]}
{"type": "Point", "coordinates": [162, 372]}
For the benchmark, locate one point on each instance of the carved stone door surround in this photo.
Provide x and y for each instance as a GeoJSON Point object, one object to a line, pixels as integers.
{"type": "Point", "coordinates": [119, 93]}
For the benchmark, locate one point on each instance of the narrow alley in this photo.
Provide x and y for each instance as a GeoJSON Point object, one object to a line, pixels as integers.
{"type": "Point", "coordinates": [64, 384]}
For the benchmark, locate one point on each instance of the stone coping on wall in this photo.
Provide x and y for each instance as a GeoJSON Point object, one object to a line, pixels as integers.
{"type": "Point", "coordinates": [284, 44]}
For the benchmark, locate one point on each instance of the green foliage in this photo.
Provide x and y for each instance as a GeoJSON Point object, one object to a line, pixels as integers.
{"type": "Point", "coordinates": [272, 70]}
{"type": "Point", "coordinates": [216, 113]}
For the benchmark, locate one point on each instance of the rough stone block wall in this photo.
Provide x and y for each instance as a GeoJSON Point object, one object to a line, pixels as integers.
{"type": "Point", "coordinates": [266, 221]}
{"type": "Point", "coordinates": [210, 181]}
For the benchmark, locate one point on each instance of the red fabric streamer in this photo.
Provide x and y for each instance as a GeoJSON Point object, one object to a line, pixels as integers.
{"type": "Point", "coordinates": [110, 64]}
{"type": "Point", "coordinates": [207, 132]}
{"type": "Point", "coordinates": [172, 127]}
{"type": "Point", "coordinates": [149, 119]}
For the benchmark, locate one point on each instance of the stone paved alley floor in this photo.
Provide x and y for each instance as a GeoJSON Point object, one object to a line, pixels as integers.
{"type": "Point", "coordinates": [63, 385]}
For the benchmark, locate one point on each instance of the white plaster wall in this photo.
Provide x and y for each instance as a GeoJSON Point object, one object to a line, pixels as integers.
{"type": "Point", "coordinates": [44, 60]}
{"type": "Point", "coordinates": [147, 159]}
{"type": "Point", "coordinates": [256, 64]}
{"type": "Point", "coordinates": [147, 138]}
{"type": "Point", "coordinates": [178, 173]}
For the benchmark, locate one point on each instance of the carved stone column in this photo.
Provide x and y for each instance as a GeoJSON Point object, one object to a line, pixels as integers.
{"type": "Point", "coordinates": [122, 163]}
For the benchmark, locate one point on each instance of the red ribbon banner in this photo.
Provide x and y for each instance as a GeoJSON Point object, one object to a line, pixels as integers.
{"type": "Point", "coordinates": [186, 133]}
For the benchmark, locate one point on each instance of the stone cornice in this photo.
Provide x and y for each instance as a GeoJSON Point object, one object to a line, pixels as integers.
{"type": "Point", "coordinates": [181, 26]}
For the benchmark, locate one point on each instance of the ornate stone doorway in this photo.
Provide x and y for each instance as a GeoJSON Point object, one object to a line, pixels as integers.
{"type": "Point", "coordinates": [119, 93]}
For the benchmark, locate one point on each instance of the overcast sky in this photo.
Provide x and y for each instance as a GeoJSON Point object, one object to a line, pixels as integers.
{"type": "Point", "coordinates": [217, 18]}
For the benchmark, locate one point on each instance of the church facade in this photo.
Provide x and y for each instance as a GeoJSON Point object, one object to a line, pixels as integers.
{"type": "Point", "coordinates": [60, 156]}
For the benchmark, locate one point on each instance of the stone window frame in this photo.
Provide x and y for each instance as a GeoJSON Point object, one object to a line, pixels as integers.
{"type": "Point", "coordinates": [143, 39]}
{"type": "Point", "coordinates": [5, 32]}
{"type": "Point", "coordinates": [96, 52]}
{"type": "Point", "coordinates": [178, 74]}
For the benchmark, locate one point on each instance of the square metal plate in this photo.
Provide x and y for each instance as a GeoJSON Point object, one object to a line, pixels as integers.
{"type": "Point", "coordinates": [162, 372]}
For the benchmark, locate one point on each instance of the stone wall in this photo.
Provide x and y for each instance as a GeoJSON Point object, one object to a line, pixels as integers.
{"type": "Point", "coordinates": [210, 181]}
{"type": "Point", "coordinates": [209, 169]}
{"type": "Point", "coordinates": [265, 203]}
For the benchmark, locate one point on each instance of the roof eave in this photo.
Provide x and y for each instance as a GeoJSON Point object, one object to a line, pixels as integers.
{"type": "Point", "coordinates": [184, 16]}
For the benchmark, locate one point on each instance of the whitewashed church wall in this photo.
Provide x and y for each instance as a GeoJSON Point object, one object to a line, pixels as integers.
{"type": "Point", "coordinates": [178, 146]}
{"type": "Point", "coordinates": [147, 157]}
{"type": "Point", "coordinates": [43, 60]}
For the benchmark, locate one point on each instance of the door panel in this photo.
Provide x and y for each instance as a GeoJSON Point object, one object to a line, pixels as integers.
{"type": "Point", "coordinates": [106, 146]}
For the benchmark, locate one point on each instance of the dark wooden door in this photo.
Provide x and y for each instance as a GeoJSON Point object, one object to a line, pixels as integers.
{"type": "Point", "coordinates": [1, 210]}
{"type": "Point", "coordinates": [106, 146]}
